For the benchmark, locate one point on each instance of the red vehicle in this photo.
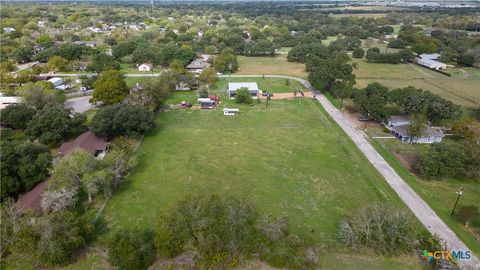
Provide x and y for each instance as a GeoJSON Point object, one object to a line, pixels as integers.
{"type": "Point", "coordinates": [215, 98]}
{"type": "Point", "coordinates": [184, 105]}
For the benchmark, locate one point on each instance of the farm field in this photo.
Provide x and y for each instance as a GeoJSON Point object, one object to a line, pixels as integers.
{"type": "Point", "coordinates": [460, 90]}
{"type": "Point", "coordinates": [290, 160]}
{"type": "Point", "coordinates": [277, 65]}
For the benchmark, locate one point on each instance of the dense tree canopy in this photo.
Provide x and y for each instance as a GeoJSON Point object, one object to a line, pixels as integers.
{"type": "Point", "coordinates": [373, 100]}
{"type": "Point", "coordinates": [110, 88]}
{"type": "Point", "coordinates": [23, 165]}
{"type": "Point", "coordinates": [122, 120]}
{"type": "Point", "coordinates": [53, 123]}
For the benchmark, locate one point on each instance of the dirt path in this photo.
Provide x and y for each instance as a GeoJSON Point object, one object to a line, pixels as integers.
{"type": "Point", "coordinates": [288, 95]}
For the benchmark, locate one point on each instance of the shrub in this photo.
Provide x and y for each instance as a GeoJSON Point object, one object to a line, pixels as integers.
{"type": "Point", "coordinates": [131, 249]}
{"type": "Point", "coordinates": [358, 53]}
{"type": "Point", "coordinates": [467, 213]}
{"type": "Point", "coordinates": [381, 228]}
{"type": "Point", "coordinates": [222, 230]}
{"type": "Point", "coordinates": [443, 160]}
{"type": "Point", "coordinates": [243, 96]}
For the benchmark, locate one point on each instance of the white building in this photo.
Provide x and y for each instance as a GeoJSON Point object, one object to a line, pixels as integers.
{"type": "Point", "coordinates": [198, 65]}
{"type": "Point", "coordinates": [429, 60]}
{"type": "Point", "coordinates": [8, 29]}
{"type": "Point", "coordinates": [145, 67]}
{"type": "Point", "coordinates": [56, 81]}
{"type": "Point", "coordinates": [6, 101]}
{"type": "Point", "coordinates": [251, 86]}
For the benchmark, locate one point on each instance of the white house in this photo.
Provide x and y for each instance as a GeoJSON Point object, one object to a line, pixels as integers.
{"type": "Point", "coordinates": [251, 86]}
{"type": "Point", "coordinates": [145, 67]}
{"type": "Point", "coordinates": [56, 81]}
{"type": "Point", "coordinates": [6, 101]}
{"type": "Point", "coordinates": [429, 60]}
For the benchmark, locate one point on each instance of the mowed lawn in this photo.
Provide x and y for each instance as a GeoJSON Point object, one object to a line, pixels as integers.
{"type": "Point", "coordinates": [462, 90]}
{"type": "Point", "coordinates": [273, 85]}
{"type": "Point", "coordinates": [290, 160]}
{"type": "Point", "coordinates": [277, 65]}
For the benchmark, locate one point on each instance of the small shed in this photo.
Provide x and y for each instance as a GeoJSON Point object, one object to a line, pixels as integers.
{"type": "Point", "coordinates": [7, 101]}
{"type": "Point", "coordinates": [251, 86]}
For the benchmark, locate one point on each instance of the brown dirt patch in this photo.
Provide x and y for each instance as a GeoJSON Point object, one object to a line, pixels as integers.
{"type": "Point", "coordinates": [288, 95]}
{"type": "Point", "coordinates": [408, 160]}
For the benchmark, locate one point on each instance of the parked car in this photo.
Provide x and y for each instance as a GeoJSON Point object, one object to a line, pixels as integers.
{"type": "Point", "coordinates": [185, 105]}
{"type": "Point", "coordinates": [363, 118]}
{"type": "Point", "coordinates": [265, 94]}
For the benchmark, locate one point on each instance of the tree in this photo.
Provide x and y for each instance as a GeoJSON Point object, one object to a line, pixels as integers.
{"type": "Point", "coordinates": [23, 165]}
{"type": "Point", "coordinates": [418, 125]}
{"type": "Point", "coordinates": [243, 96]}
{"type": "Point", "coordinates": [51, 124]}
{"type": "Point", "coordinates": [343, 93]}
{"type": "Point", "coordinates": [443, 160]}
{"type": "Point", "coordinates": [381, 228]}
{"type": "Point", "coordinates": [467, 213]}
{"type": "Point", "coordinates": [118, 163]}
{"type": "Point", "coordinates": [110, 88]}
{"type": "Point", "coordinates": [226, 61]}
{"type": "Point", "coordinates": [331, 73]}
{"type": "Point", "coordinates": [17, 116]}
{"type": "Point", "coordinates": [301, 53]}
{"type": "Point", "coordinates": [372, 54]}
{"type": "Point", "coordinates": [122, 119]}
{"type": "Point", "coordinates": [358, 53]}
{"type": "Point", "coordinates": [372, 100]}
{"type": "Point", "coordinates": [409, 99]}
{"type": "Point", "coordinates": [131, 249]}
{"type": "Point", "coordinates": [49, 241]}
{"type": "Point", "coordinates": [102, 62]}
{"type": "Point", "coordinates": [39, 94]}
{"type": "Point", "coordinates": [57, 63]}
{"type": "Point", "coordinates": [466, 59]}
{"type": "Point", "coordinates": [209, 77]}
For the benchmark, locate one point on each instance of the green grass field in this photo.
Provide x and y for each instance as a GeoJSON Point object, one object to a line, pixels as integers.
{"type": "Point", "coordinates": [277, 65]}
{"type": "Point", "coordinates": [132, 69]}
{"type": "Point", "coordinates": [460, 90]}
{"type": "Point", "coordinates": [290, 160]}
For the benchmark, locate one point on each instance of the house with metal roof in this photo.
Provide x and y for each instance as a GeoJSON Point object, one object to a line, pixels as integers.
{"type": "Point", "coordinates": [430, 61]}
{"type": "Point", "coordinates": [399, 126]}
{"type": "Point", "coordinates": [252, 88]}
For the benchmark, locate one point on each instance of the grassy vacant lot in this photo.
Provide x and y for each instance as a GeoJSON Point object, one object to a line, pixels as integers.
{"type": "Point", "coordinates": [290, 160]}
{"type": "Point", "coordinates": [461, 90]}
{"type": "Point", "coordinates": [277, 65]}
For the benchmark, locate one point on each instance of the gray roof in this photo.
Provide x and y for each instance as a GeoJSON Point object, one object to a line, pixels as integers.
{"type": "Point", "coordinates": [233, 86]}
{"type": "Point", "coordinates": [399, 118]}
{"type": "Point", "coordinates": [429, 56]}
{"type": "Point", "coordinates": [429, 131]}
{"type": "Point", "coordinates": [198, 63]}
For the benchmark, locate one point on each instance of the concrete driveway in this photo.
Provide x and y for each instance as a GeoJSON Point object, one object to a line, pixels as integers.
{"type": "Point", "coordinates": [80, 104]}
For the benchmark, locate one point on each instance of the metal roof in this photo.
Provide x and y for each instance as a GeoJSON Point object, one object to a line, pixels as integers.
{"type": "Point", "coordinates": [233, 86]}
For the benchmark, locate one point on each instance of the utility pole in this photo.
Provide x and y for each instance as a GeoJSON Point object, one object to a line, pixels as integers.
{"type": "Point", "coordinates": [266, 103]}
{"type": "Point", "coordinates": [456, 201]}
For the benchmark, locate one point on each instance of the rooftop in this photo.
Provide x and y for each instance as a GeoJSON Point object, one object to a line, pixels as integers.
{"type": "Point", "coordinates": [86, 141]}
{"type": "Point", "coordinates": [233, 86]}
{"type": "Point", "coordinates": [429, 131]}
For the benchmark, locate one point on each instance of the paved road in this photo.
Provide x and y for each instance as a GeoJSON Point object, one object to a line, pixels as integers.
{"type": "Point", "coordinates": [419, 208]}
{"type": "Point", "coordinates": [80, 104]}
